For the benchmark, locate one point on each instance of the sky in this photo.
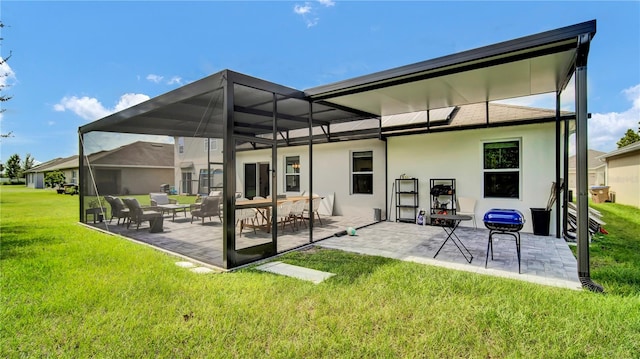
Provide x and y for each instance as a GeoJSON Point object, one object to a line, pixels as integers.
{"type": "Point", "coordinates": [75, 62]}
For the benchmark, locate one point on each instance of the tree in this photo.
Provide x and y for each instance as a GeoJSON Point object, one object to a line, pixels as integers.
{"type": "Point", "coordinates": [51, 179]}
{"type": "Point", "coordinates": [629, 138]}
{"type": "Point", "coordinates": [27, 164]}
{"type": "Point", "coordinates": [6, 73]}
{"type": "Point", "coordinates": [12, 169]}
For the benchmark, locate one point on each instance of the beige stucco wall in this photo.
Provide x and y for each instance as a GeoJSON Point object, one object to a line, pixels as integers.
{"type": "Point", "coordinates": [145, 180]}
{"type": "Point", "coordinates": [331, 173]}
{"type": "Point", "coordinates": [193, 150]}
{"type": "Point", "coordinates": [459, 155]}
{"type": "Point", "coordinates": [624, 178]}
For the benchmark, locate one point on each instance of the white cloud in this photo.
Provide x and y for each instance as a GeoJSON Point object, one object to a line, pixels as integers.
{"type": "Point", "coordinates": [327, 3]}
{"type": "Point", "coordinates": [605, 129]}
{"type": "Point", "coordinates": [302, 9]}
{"type": "Point", "coordinates": [91, 109]}
{"type": "Point", "coordinates": [175, 80]}
{"type": "Point", "coordinates": [154, 78]}
{"type": "Point", "coordinates": [309, 12]}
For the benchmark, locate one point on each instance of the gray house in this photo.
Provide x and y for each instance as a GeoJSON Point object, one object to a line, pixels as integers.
{"type": "Point", "coordinates": [135, 168]}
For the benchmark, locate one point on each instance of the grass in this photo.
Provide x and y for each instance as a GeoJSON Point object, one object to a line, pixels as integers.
{"type": "Point", "coordinates": [615, 257]}
{"type": "Point", "coordinates": [68, 291]}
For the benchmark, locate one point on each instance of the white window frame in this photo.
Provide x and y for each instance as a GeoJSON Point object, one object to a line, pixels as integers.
{"type": "Point", "coordinates": [500, 170]}
{"type": "Point", "coordinates": [287, 174]}
{"type": "Point", "coordinates": [352, 172]}
{"type": "Point", "coordinates": [212, 143]}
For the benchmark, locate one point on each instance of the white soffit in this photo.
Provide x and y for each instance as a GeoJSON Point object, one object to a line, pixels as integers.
{"type": "Point", "coordinates": [514, 79]}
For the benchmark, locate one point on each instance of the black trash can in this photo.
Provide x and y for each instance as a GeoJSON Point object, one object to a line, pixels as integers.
{"type": "Point", "coordinates": [541, 218]}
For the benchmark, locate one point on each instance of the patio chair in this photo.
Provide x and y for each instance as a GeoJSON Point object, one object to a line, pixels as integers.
{"type": "Point", "coordinates": [139, 214]}
{"type": "Point", "coordinates": [297, 211]}
{"type": "Point", "coordinates": [209, 207]}
{"type": "Point", "coordinates": [316, 205]}
{"type": "Point", "coordinates": [245, 214]}
{"type": "Point", "coordinates": [467, 206]}
{"type": "Point", "coordinates": [118, 209]}
{"type": "Point", "coordinates": [159, 199]}
{"type": "Point", "coordinates": [284, 213]}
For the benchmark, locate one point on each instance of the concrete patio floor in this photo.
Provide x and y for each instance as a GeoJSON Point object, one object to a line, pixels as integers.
{"type": "Point", "coordinates": [544, 259]}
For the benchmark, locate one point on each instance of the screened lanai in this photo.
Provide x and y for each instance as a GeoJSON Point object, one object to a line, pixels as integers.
{"type": "Point", "coordinates": [247, 114]}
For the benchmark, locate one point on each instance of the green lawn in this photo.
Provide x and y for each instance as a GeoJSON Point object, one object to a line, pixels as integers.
{"type": "Point", "coordinates": [68, 291]}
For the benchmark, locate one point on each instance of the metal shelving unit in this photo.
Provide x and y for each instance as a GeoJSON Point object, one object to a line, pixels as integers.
{"type": "Point", "coordinates": [406, 199]}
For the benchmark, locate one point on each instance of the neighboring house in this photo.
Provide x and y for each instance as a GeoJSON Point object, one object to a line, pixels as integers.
{"type": "Point", "coordinates": [68, 166]}
{"type": "Point", "coordinates": [193, 158]}
{"type": "Point", "coordinates": [596, 170]}
{"type": "Point", "coordinates": [135, 168]}
{"type": "Point", "coordinates": [623, 173]}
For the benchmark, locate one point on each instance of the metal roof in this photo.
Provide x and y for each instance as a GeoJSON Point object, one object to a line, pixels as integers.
{"type": "Point", "coordinates": [529, 65]}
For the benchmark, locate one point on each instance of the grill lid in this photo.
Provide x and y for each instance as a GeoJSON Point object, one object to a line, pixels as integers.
{"type": "Point", "coordinates": [503, 216]}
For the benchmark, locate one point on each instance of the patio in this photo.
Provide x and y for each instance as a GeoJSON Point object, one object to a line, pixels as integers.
{"type": "Point", "coordinates": [203, 243]}
{"type": "Point", "coordinates": [545, 260]}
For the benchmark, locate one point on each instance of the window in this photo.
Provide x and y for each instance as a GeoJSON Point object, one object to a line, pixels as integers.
{"type": "Point", "coordinates": [211, 144]}
{"type": "Point", "coordinates": [292, 174]}
{"type": "Point", "coordinates": [73, 177]}
{"type": "Point", "coordinates": [362, 172]}
{"type": "Point", "coordinates": [501, 169]}
{"type": "Point", "coordinates": [180, 144]}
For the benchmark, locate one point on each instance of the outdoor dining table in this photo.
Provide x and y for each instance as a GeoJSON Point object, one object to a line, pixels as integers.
{"type": "Point", "coordinates": [450, 231]}
{"type": "Point", "coordinates": [263, 204]}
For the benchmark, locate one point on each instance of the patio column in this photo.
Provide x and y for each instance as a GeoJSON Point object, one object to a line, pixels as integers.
{"type": "Point", "coordinates": [581, 165]}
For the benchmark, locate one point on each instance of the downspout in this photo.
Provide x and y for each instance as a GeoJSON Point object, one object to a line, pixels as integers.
{"type": "Point", "coordinates": [581, 165]}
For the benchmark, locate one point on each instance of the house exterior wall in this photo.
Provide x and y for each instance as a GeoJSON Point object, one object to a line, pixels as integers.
{"type": "Point", "coordinates": [190, 156]}
{"type": "Point", "coordinates": [624, 178]}
{"type": "Point", "coordinates": [459, 155]}
{"type": "Point", "coordinates": [35, 180]}
{"type": "Point", "coordinates": [145, 180]}
{"type": "Point", "coordinates": [331, 173]}
{"type": "Point", "coordinates": [596, 177]}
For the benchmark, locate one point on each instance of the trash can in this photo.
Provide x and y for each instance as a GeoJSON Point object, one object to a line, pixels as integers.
{"type": "Point", "coordinates": [540, 220]}
{"type": "Point", "coordinates": [599, 194]}
{"type": "Point", "coordinates": [377, 214]}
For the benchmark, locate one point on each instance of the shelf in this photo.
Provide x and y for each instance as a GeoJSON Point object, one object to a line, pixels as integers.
{"type": "Point", "coordinates": [406, 192]}
{"type": "Point", "coordinates": [446, 189]}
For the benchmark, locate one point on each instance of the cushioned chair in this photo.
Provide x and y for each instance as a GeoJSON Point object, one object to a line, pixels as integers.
{"type": "Point", "coordinates": [118, 209]}
{"type": "Point", "coordinates": [467, 206]}
{"type": "Point", "coordinates": [159, 199]}
{"type": "Point", "coordinates": [209, 207]}
{"type": "Point", "coordinates": [139, 214]}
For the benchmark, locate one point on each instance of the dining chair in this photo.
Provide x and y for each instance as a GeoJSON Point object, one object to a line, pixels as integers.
{"type": "Point", "coordinates": [284, 213]}
{"type": "Point", "coordinates": [297, 211]}
{"type": "Point", "coordinates": [467, 206]}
